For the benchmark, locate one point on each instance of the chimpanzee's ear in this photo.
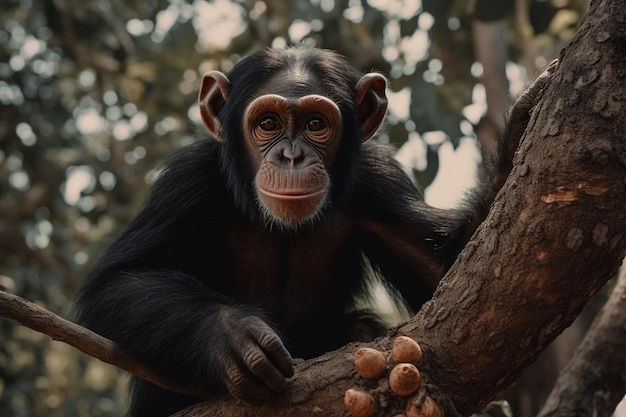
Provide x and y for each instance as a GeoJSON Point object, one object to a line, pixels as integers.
{"type": "Point", "coordinates": [213, 93]}
{"type": "Point", "coordinates": [371, 103]}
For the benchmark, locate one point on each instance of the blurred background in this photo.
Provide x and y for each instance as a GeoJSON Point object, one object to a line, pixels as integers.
{"type": "Point", "coordinates": [94, 94]}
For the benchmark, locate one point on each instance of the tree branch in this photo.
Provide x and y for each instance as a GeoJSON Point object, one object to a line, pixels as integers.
{"type": "Point", "coordinates": [48, 323]}
{"type": "Point", "coordinates": [588, 387]}
{"type": "Point", "coordinates": [554, 236]}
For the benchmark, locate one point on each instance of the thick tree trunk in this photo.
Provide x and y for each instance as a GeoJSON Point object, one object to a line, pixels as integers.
{"type": "Point", "coordinates": [554, 236]}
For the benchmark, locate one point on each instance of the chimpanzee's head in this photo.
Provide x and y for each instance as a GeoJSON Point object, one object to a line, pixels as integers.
{"type": "Point", "coordinates": [291, 122]}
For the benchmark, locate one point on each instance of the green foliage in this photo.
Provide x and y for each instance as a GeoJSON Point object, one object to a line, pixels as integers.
{"type": "Point", "coordinates": [93, 95]}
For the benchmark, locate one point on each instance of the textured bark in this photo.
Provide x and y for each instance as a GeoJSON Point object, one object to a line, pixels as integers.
{"type": "Point", "coordinates": [555, 233]}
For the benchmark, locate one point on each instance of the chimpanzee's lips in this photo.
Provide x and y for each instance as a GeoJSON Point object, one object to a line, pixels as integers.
{"type": "Point", "coordinates": [292, 195]}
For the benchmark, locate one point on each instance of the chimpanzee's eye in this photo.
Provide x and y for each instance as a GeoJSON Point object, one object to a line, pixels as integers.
{"type": "Point", "coordinates": [315, 125]}
{"type": "Point", "coordinates": [269, 124]}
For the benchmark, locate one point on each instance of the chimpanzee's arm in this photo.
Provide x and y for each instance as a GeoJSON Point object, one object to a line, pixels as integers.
{"type": "Point", "coordinates": [409, 236]}
{"type": "Point", "coordinates": [416, 242]}
{"type": "Point", "coordinates": [157, 291]}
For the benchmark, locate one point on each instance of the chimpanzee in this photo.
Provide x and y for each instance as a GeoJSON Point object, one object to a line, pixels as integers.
{"type": "Point", "coordinates": [256, 244]}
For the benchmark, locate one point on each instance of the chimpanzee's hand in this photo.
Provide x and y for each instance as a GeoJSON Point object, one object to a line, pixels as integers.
{"type": "Point", "coordinates": [521, 109]}
{"type": "Point", "coordinates": [254, 362]}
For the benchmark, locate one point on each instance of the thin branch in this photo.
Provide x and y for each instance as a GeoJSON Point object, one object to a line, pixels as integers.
{"type": "Point", "coordinates": [48, 323]}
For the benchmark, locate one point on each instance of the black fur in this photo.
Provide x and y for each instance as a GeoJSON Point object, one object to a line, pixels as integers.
{"type": "Point", "coordinates": [182, 286]}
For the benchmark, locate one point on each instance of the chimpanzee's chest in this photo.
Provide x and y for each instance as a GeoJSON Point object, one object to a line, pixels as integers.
{"type": "Point", "coordinates": [286, 273]}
